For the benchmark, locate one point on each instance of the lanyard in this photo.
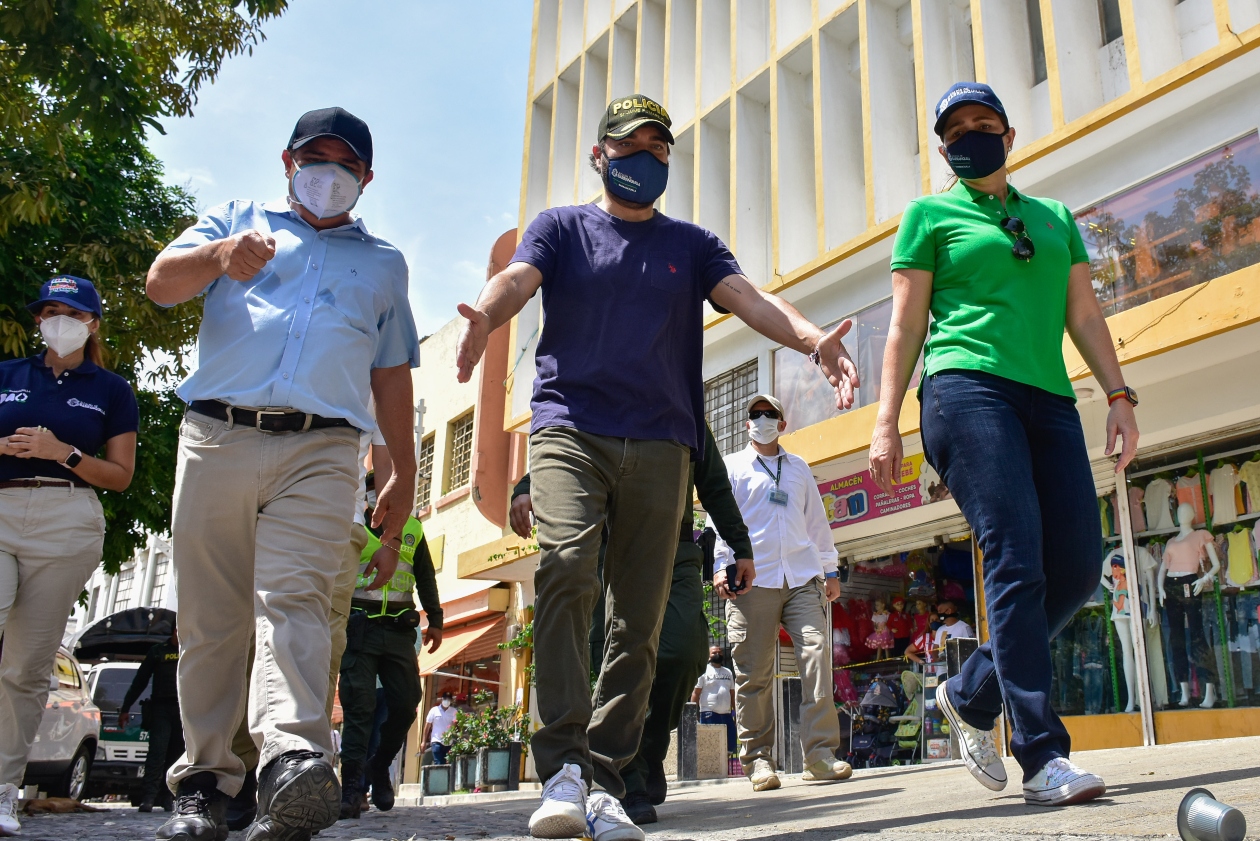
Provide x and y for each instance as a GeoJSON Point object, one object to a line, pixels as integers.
{"type": "Point", "coordinates": [778, 470]}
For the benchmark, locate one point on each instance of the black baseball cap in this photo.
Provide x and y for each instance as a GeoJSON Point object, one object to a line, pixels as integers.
{"type": "Point", "coordinates": [334, 122]}
{"type": "Point", "coordinates": [73, 291]}
{"type": "Point", "coordinates": [965, 93]}
{"type": "Point", "coordinates": [627, 113]}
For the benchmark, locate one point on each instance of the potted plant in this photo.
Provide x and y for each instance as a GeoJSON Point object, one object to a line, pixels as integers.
{"type": "Point", "coordinates": [487, 745]}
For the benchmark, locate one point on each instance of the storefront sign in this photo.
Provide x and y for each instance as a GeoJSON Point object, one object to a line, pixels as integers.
{"type": "Point", "coordinates": [855, 499]}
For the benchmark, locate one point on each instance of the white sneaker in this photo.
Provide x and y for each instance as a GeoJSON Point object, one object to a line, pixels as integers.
{"type": "Point", "coordinates": [563, 810]}
{"type": "Point", "coordinates": [607, 821]}
{"type": "Point", "coordinates": [762, 776]}
{"type": "Point", "coordinates": [9, 796]}
{"type": "Point", "coordinates": [1060, 783]}
{"type": "Point", "coordinates": [978, 750]}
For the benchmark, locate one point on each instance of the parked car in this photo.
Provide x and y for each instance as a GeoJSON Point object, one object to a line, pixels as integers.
{"type": "Point", "coordinates": [65, 745]}
{"type": "Point", "coordinates": [120, 754]}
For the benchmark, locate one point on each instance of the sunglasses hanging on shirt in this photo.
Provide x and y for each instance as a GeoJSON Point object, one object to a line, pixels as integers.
{"type": "Point", "coordinates": [1023, 248]}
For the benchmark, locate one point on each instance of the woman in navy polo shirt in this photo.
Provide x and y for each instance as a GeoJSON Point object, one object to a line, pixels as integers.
{"type": "Point", "coordinates": [67, 426]}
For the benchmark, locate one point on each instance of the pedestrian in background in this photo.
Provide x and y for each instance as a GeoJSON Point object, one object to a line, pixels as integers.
{"type": "Point", "coordinates": [796, 578]}
{"type": "Point", "coordinates": [305, 317]}
{"type": "Point", "coordinates": [1003, 275]}
{"type": "Point", "coordinates": [715, 693]}
{"type": "Point", "coordinates": [436, 723]}
{"type": "Point", "coordinates": [617, 415]}
{"type": "Point", "coordinates": [159, 717]}
{"type": "Point", "coordinates": [67, 426]}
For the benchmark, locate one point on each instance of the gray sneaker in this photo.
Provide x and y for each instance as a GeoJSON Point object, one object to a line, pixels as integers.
{"type": "Point", "coordinates": [978, 750]}
{"type": "Point", "coordinates": [762, 776]}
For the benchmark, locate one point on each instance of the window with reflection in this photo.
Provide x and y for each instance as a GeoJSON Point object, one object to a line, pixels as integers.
{"type": "Point", "coordinates": [1184, 227]}
{"type": "Point", "coordinates": [805, 392]}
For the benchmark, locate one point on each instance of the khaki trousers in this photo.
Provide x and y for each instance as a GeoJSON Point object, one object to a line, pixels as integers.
{"type": "Point", "coordinates": [50, 541]}
{"type": "Point", "coordinates": [753, 621]}
{"type": "Point", "coordinates": [259, 536]}
{"type": "Point", "coordinates": [580, 484]}
{"type": "Point", "coordinates": [343, 589]}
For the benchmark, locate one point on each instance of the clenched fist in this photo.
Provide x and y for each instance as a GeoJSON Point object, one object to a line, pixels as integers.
{"type": "Point", "coordinates": [244, 255]}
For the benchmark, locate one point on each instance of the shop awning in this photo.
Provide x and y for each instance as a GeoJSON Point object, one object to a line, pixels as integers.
{"type": "Point", "coordinates": [475, 641]}
{"type": "Point", "coordinates": [902, 540]}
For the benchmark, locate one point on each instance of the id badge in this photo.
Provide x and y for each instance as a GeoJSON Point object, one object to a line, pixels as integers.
{"type": "Point", "coordinates": [778, 497]}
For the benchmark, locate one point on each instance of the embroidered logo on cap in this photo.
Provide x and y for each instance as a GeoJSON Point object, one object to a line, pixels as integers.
{"type": "Point", "coordinates": [63, 286]}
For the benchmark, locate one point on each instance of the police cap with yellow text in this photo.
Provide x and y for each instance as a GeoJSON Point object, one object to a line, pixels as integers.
{"type": "Point", "coordinates": [626, 114]}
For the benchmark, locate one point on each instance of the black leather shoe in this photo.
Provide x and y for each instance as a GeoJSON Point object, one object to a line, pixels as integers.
{"type": "Point", "coordinates": [199, 811]}
{"type": "Point", "coordinates": [146, 805]}
{"type": "Point", "coordinates": [382, 787]}
{"type": "Point", "coordinates": [297, 793]}
{"type": "Point", "coordinates": [243, 808]}
{"type": "Point", "coordinates": [351, 794]}
{"type": "Point", "coordinates": [639, 808]}
{"type": "Point", "coordinates": [657, 786]}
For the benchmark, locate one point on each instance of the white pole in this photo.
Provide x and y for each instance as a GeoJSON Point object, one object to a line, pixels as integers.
{"type": "Point", "coordinates": [1137, 623]}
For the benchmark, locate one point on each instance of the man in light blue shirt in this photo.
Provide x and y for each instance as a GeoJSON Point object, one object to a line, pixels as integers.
{"type": "Point", "coordinates": [306, 319]}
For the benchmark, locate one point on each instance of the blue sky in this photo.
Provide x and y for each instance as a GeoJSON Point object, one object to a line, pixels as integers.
{"type": "Point", "coordinates": [442, 86]}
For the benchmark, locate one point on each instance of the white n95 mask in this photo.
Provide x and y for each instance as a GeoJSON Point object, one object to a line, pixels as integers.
{"type": "Point", "coordinates": [325, 189]}
{"type": "Point", "coordinates": [64, 334]}
{"type": "Point", "coordinates": [763, 430]}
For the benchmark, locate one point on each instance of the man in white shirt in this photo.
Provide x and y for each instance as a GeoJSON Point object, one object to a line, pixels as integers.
{"type": "Point", "coordinates": [715, 693]}
{"type": "Point", "coordinates": [795, 576]}
{"type": "Point", "coordinates": [436, 723]}
{"type": "Point", "coordinates": [930, 646]}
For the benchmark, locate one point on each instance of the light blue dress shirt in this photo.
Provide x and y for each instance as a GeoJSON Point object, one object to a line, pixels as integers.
{"type": "Point", "coordinates": [306, 331]}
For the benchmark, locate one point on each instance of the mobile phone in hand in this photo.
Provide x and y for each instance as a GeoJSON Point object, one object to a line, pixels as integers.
{"type": "Point", "coordinates": [733, 582]}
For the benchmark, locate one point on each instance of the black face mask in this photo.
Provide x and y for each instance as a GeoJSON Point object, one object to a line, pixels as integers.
{"type": "Point", "coordinates": [976, 154]}
{"type": "Point", "coordinates": [717, 661]}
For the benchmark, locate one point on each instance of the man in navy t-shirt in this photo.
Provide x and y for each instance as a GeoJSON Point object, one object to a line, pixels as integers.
{"type": "Point", "coordinates": [618, 413]}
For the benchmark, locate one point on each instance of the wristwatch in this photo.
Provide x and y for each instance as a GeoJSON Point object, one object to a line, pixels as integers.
{"type": "Point", "coordinates": [72, 460]}
{"type": "Point", "coordinates": [1124, 392]}
{"type": "Point", "coordinates": [831, 575]}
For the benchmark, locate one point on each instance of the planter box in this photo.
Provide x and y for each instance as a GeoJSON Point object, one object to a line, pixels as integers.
{"type": "Point", "coordinates": [465, 772]}
{"type": "Point", "coordinates": [500, 768]}
{"type": "Point", "coordinates": [436, 780]}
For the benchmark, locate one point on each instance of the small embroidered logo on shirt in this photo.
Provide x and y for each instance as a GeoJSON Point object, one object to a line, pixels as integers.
{"type": "Point", "coordinates": [1050, 225]}
{"type": "Point", "coordinates": [74, 401]}
{"type": "Point", "coordinates": [672, 270]}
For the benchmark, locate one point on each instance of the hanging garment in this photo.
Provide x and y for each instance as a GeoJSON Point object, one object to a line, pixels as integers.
{"type": "Point", "coordinates": [1223, 485]}
{"type": "Point", "coordinates": [1104, 514]}
{"type": "Point", "coordinates": [1156, 665]}
{"type": "Point", "coordinates": [1158, 504]}
{"type": "Point", "coordinates": [1249, 475]}
{"type": "Point", "coordinates": [1190, 492]}
{"type": "Point", "coordinates": [1137, 519]}
{"type": "Point", "coordinates": [1240, 558]}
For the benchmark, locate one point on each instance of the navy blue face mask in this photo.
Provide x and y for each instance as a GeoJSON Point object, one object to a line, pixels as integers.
{"type": "Point", "coordinates": [638, 178]}
{"type": "Point", "coordinates": [976, 154]}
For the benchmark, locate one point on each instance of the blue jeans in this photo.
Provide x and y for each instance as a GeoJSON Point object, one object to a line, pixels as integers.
{"type": "Point", "coordinates": [1014, 458]}
{"type": "Point", "coordinates": [732, 743]}
{"type": "Point", "coordinates": [439, 753]}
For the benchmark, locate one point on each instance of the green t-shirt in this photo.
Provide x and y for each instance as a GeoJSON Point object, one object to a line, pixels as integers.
{"type": "Point", "coordinates": [991, 311]}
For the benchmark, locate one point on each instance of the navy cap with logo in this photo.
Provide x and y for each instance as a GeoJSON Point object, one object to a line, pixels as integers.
{"type": "Point", "coordinates": [71, 291]}
{"type": "Point", "coordinates": [967, 93]}
{"type": "Point", "coordinates": [334, 122]}
{"type": "Point", "coordinates": [626, 114]}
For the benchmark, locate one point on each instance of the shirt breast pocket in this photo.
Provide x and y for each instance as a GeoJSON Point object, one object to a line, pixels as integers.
{"type": "Point", "coordinates": [669, 273]}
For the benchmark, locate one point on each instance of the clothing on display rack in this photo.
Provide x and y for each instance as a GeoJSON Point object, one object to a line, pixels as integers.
{"type": "Point", "coordinates": [1249, 476]}
{"type": "Point", "coordinates": [1137, 519]}
{"type": "Point", "coordinates": [1158, 504]}
{"type": "Point", "coordinates": [1223, 485]}
{"type": "Point", "coordinates": [1190, 492]}
{"type": "Point", "coordinates": [1240, 554]}
{"type": "Point", "coordinates": [1189, 644]}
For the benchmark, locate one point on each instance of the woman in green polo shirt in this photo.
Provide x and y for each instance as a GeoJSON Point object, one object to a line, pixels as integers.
{"type": "Point", "coordinates": [1002, 275]}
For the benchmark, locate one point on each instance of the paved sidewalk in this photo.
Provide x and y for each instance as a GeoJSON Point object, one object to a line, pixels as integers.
{"type": "Point", "coordinates": [912, 804]}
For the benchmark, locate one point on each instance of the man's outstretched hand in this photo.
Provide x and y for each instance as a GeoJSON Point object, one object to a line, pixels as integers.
{"type": "Point", "coordinates": [472, 342]}
{"type": "Point", "coordinates": [837, 365]}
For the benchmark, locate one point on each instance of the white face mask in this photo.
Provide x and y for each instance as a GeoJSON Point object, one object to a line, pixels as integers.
{"type": "Point", "coordinates": [325, 189]}
{"type": "Point", "coordinates": [64, 334]}
{"type": "Point", "coordinates": [763, 430]}
{"type": "Point", "coordinates": [446, 703]}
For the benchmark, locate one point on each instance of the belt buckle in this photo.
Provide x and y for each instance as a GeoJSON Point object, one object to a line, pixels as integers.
{"type": "Point", "coordinates": [258, 419]}
{"type": "Point", "coordinates": [36, 483]}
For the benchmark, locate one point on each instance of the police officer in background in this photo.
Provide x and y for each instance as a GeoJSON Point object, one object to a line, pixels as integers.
{"type": "Point", "coordinates": [159, 716]}
{"type": "Point", "coordinates": [381, 643]}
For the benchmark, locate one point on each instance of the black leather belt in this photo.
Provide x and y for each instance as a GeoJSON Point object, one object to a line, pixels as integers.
{"type": "Point", "coordinates": [40, 483]}
{"type": "Point", "coordinates": [265, 420]}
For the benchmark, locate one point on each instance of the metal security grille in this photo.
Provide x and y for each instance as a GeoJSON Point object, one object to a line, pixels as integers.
{"type": "Point", "coordinates": [725, 397]}
{"type": "Point", "coordinates": [424, 473]}
{"type": "Point", "coordinates": [122, 599]}
{"type": "Point", "coordinates": [461, 452]}
{"type": "Point", "coordinates": [160, 575]}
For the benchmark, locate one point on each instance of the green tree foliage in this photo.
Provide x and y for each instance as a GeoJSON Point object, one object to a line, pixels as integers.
{"type": "Point", "coordinates": [81, 81]}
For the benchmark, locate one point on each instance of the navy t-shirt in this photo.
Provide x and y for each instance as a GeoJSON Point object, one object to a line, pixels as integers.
{"type": "Point", "coordinates": [623, 327]}
{"type": "Point", "coordinates": [85, 407]}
